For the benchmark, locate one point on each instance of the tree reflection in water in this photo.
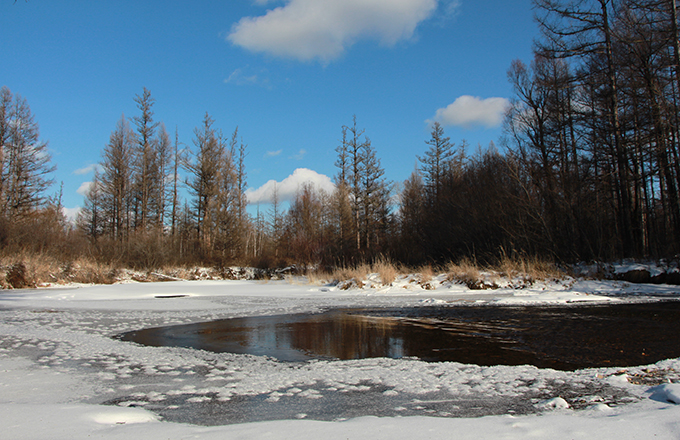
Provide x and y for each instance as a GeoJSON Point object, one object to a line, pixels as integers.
{"type": "Point", "coordinates": [348, 336]}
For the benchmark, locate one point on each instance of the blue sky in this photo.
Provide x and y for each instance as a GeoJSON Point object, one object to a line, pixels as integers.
{"type": "Point", "coordinates": [288, 73]}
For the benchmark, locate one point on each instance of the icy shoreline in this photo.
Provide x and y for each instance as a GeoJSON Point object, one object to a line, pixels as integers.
{"type": "Point", "coordinates": [57, 357]}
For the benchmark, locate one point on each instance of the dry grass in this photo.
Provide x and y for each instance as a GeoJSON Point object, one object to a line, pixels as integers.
{"type": "Point", "coordinates": [180, 273]}
{"type": "Point", "coordinates": [529, 269]}
{"type": "Point", "coordinates": [318, 277]}
{"type": "Point", "coordinates": [426, 273]}
{"type": "Point", "coordinates": [466, 272]}
{"type": "Point", "coordinates": [33, 270]}
{"type": "Point", "coordinates": [350, 277]}
{"type": "Point", "coordinates": [347, 277]}
{"type": "Point", "coordinates": [26, 269]}
{"type": "Point", "coordinates": [345, 273]}
{"type": "Point", "coordinates": [386, 270]}
{"type": "Point", "coordinates": [88, 271]}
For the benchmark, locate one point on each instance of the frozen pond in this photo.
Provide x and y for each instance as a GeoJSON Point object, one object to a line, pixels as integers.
{"type": "Point", "coordinates": [558, 337]}
{"type": "Point", "coordinates": [296, 350]}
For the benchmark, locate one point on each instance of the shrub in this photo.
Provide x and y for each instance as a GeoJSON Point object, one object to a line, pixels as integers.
{"type": "Point", "coordinates": [17, 277]}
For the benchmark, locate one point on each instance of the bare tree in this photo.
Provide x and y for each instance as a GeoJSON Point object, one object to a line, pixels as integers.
{"type": "Point", "coordinates": [362, 190]}
{"type": "Point", "coordinates": [6, 99]}
{"type": "Point", "coordinates": [115, 188]}
{"type": "Point", "coordinates": [343, 202]}
{"type": "Point", "coordinates": [163, 158]}
{"type": "Point", "coordinates": [355, 171]}
{"type": "Point", "coordinates": [178, 158]}
{"type": "Point", "coordinates": [374, 198]}
{"type": "Point", "coordinates": [238, 154]}
{"type": "Point", "coordinates": [24, 158]}
{"type": "Point", "coordinates": [436, 160]}
{"type": "Point", "coordinates": [204, 184]}
{"type": "Point", "coordinates": [583, 28]}
{"type": "Point", "coordinates": [412, 212]}
{"type": "Point", "coordinates": [305, 235]}
{"type": "Point", "coordinates": [145, 159]}
{"type": "Point", "coordinates": [276, 221]}
{"type": "Point", "coordinates": [91, 219]}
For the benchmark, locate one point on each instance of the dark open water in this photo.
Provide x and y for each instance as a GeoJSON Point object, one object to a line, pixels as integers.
{"type": "Point", "coordinates": [560, 337]}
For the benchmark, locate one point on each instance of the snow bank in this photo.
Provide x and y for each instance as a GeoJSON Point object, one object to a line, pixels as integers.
{"type": "Point", "coordinates": [666, 393]}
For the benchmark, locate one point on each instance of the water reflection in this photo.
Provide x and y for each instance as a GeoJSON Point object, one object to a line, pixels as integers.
{"type": "Point", "coordinates": [347, 336]}
{"type": "Point", "coordinates": [556, 337]}
{"type": "Point", "coordinates": [333, 335]}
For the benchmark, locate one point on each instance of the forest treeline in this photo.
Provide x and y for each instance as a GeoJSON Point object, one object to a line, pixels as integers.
{"type": "Point", "coordinates": [588, 168]}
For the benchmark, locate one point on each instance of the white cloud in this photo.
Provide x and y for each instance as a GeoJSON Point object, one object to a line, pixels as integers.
{"type": "Point", "coordinates": [301, 154]}
{"type": "Point", "coordinates": [84, 188]}
{"type": "Point", "coordinates": [71, 214]}
{"type": "Point", "coordinates": [449, 10]}
{"type": "Point", "coordinates": [273, 153]}
{"type": "Point", "coordinates": [243, 77]}
{"type": "Point", "coordinates": [287, 188]}
{"type": "Point", "coordinates": [323, 29]}
{"type": "Point", "coordinates": [88, 169]}
{"type": "Point", "coordinates": [470, 111]}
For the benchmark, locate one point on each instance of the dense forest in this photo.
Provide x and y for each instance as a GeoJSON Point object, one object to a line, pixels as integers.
{"type": "Point", "coordinates": [588, 169]}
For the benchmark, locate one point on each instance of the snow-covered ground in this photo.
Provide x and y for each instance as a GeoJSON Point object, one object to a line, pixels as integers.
{"type": "Point", "coordinates": [62, 375]}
